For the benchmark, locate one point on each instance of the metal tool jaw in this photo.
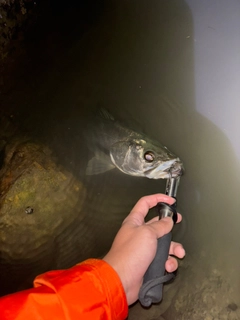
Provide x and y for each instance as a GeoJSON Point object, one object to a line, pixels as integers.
{"type": "Point", "coordinates": [172, 186]}
{"type": "Point", "coordinates": [164, 209]}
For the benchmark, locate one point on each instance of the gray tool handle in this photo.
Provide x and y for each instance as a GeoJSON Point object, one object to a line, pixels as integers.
{"type": "Point", "coordinates": [151, 290]}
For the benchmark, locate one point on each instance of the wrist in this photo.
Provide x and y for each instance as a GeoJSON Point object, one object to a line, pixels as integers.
{"type": "Point", "coordinates": [123, 274]}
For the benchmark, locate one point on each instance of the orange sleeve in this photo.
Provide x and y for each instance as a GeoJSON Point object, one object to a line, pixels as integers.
{"type": "Point", "coordinates": [89, 290]}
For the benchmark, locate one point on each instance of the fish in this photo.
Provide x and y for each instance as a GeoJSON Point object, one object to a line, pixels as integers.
{"type": "Point", "coordinates": [114, 145]}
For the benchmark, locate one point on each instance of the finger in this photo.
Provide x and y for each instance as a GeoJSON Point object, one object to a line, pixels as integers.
{"type": "Point", "coordinates": [179, 219]}
{"type": "Point", "coordinates": [140, 210]}
{"type": "Point", "coordinates": [162, 227]}
{"type": "Point", "coordinates": [177, 249]}
{"type": "Point", "coordinates": [153, 220]}
{"type": "Point", "coordinates": [171, 264]}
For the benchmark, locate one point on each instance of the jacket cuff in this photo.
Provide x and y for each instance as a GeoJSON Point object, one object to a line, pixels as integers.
{"type": "Point", "coordinates": [114, 288]}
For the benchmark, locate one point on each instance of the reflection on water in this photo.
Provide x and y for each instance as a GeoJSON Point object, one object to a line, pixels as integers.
{"type": "Point", "coordinates": [138, 62]}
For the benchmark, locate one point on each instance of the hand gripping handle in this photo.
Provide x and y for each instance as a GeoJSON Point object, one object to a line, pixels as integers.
{"type": "Point", "coordinates": [151, 290]}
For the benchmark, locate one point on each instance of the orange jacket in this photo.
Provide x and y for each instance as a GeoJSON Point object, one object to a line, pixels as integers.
{"type": "Point", "coordinates": [90, 290]}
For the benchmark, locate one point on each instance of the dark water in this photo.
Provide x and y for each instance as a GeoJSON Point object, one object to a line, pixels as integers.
{"type": "Point", "coordinates": [138, 60]}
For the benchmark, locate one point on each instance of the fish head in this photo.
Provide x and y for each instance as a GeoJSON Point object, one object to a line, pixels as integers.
{"type": "Point", "coordinates": [138, 157]}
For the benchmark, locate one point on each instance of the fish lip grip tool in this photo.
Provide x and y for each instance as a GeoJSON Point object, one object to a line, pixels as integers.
{"type": "Point", "coordinates": [155, 276]}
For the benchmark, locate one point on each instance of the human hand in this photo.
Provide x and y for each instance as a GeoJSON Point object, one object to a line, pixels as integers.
{"type": "Point", "coordinates": [135, 245]}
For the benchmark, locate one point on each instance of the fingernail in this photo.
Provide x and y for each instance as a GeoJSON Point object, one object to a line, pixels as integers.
{"type": "Point", "coordinates": [171, 267]}
{"type": "Point", "coordinates": [183, 252]}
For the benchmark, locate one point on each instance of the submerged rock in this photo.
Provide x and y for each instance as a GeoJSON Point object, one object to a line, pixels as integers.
{"type": "Point", "coordinates": [39, 202]}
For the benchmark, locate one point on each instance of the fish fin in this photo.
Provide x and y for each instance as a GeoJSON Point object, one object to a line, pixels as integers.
{"type": "Point", "coordinates": [98, 165]}
{"type": "Point", "coordinates": [104, 113]}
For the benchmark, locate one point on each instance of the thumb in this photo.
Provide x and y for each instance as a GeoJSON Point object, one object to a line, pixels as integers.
{"type": "Point", "coordinates": [162, 227]}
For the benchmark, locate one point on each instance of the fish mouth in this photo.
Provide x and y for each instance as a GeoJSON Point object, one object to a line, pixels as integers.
{"type": "Point", "coordinates": [176, 169]}
{"type": "Point", "coordinates": [169, 169]}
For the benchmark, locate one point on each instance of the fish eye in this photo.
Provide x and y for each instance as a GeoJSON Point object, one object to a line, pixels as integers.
{"type": "Point", "coordinates": [149, 156]}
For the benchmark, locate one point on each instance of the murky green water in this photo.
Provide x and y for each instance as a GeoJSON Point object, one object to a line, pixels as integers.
{"type": "Point", "coordinates": [137, 59]}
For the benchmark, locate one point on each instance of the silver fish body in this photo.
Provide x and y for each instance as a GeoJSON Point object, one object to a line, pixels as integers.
{"type": "Point", "coordinates": [133, 153]}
